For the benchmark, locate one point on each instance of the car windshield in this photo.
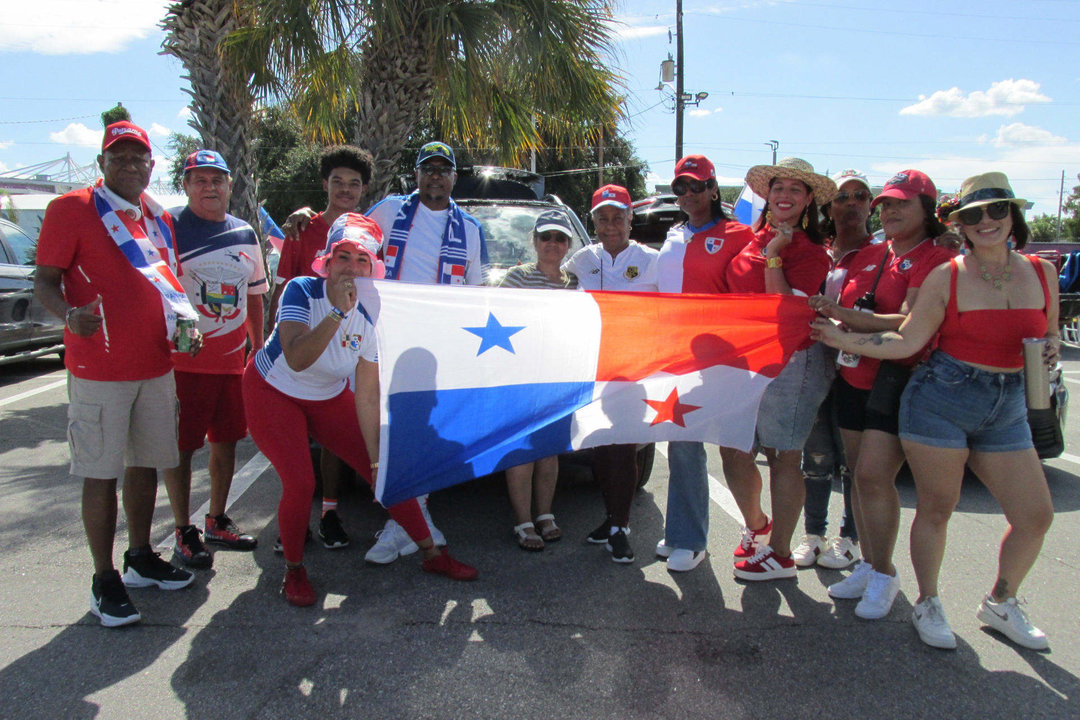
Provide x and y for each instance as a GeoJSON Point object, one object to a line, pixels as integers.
{"type": "Point", "coordinates": [508, 231]}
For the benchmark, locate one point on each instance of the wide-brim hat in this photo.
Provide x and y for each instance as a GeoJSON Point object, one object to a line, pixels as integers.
{"type": "Point", "coordinates": [357, 230]}
{"type": "Point", "coordinates": [985, 189]}
{"type": "Point", "coordinates": [760, 176]}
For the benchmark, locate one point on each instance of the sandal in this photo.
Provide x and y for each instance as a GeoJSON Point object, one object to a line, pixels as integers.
{"type": "Point", "coordinates": [551, 532]}
{"type": "Point", "coordinates": [526, 540]}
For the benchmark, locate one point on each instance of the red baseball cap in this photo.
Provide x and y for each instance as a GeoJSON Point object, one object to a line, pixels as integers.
{"type": "Point", "coordinates": [696, 166]}
{"type": "Point", "coordinates": [359, 231]}
{"type": "Point", "coordinates": [125, 130]}
{"type": "Point", "coordinates": [615, 195]}
{"type": "Point", "coordinates": [905, 185]}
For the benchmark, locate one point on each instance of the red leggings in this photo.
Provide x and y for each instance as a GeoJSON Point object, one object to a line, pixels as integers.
{"type": "Point", "coordinates": [280, 426]}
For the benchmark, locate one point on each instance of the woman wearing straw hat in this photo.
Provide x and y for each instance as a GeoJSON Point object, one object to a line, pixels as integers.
{"type": "Point", "coordinates": [878, 294]}
{"type": "Point", "coordinates": [966, 404]}
{"type": "Point", "coordinates": [787, 256]}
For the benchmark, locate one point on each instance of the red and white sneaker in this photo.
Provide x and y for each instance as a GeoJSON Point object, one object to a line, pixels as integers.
{"type": "Point", "coordinates": [765, 565]}
{"type": "Point", "coordinates": [297, 588]}
{"type": "Point", "coordinates": [753, 540]}
{"type": "Point", "coordinates": [221, 530]}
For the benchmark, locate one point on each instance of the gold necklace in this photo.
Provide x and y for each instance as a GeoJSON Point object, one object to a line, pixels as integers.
{"type": "Point", "coordinates": [998, 279]}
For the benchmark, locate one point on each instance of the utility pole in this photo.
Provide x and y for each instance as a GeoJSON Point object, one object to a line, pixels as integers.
{"type": "Point", "coordinates": [1061, 201]}
{"type": "Point", "coordinates": [773, 144]}
{"type": "Point", "coordinates": [679, 101]}
{"type": "Point", "coordinates": [600, 159]}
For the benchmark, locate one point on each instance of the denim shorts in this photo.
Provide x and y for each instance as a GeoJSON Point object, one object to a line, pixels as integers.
{"type": "Point", "coordinates": [950, 404]}
{"type": "Point", "coordinates": [789, 406]}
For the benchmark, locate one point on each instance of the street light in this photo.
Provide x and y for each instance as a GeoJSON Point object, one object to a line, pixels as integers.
{"type": "Point", "coordinates": [774, 144]}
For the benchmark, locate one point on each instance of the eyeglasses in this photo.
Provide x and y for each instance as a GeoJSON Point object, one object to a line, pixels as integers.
{"type": "Point", "coordinates": [436, 170]}
{"type": "Point", "coordinates": [553, 236]}
{"type": "Point", "coordinates": [859, 195]}
{"type": "Point", "coordinates": [681, 187]}
{"type": "Point", "coordinates": [973, 216]}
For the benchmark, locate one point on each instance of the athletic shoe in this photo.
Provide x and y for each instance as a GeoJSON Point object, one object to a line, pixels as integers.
{"type": "Point", "coordinates": [683, 560]}
{"type": "Point", "coordinates": [840, 554]}
{"type": "Point", "coordinates": [753, 541]}
{"type": "Point", "coordinates": [190, 549]}
{"type": "Point", "coordinates": [297, 587]}
{"type": "Point", "coordinates": [928, 617]}
{"type": "Point", "coordinates": [765, 565]}
{"type": "Point", "coordinates": [663, 549]}
{"type": "Point", "coordinates": [443, 564]}
{"type": "Point", "coordinates": [619, 546]}
{"type": "Point", "coordinates": [279, 549]}
{"type": "Point", "coordinates": [878, 597]}
{"type": "Point", "coordinates": [436, 535]}
{"type": "Point", "coordinates": [808, 551]}
{"type": "Point", "coordinates": [854, 585]}
{"type": "Point", "coordinates": [331, 533]}
{"type": "Point", "coordinates": [143, 567]}
{"type": "Point", "coordinates": [110, 602]}
{"type": "Point", "coordinates": [1009, 619]}
{"type": "Point", "coordinates": [391, 543]}
{"type": "Point", "coordinates": [600, 535]}
{"type": "Point", "coordinates": [221, 530]}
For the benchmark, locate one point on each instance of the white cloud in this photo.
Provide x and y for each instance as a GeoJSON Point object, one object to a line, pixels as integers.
{"type": "Point", "coordinates": [702, 112]}
{"type": "Point", "coordinates": [72, 27]}
{"type": "Point", "coordinates": [77, 134]}
{"type": "Point", "coordinates": [1021, 134]}
{"type": "Point", "coordinates": [184, 113]}
{"type": "Point", "coordinates": [1005, 97]}
{"type": "Point", "coordinates": [5, 144]}
{"type": "Point", "coordinates": [156, 129]}
{"type": "Point", "coordinates": [622, 32]}
{"type": "Point", "coordinates": [3, 168]}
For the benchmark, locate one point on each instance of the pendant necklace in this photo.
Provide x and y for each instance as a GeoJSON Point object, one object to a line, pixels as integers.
{"type": "Point", "coordinates": [998, 279]}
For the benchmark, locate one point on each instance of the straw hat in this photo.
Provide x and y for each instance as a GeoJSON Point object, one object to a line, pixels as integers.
{"type": "Point", "coordinates": [985, 189]}
{"type": "Point", "coordinates": [759, 177]}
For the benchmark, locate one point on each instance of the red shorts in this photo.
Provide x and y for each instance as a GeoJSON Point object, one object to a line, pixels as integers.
{"type": "Point", "coordinates": [211, 406]}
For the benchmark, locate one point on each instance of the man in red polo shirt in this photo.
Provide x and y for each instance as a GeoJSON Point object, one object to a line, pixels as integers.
{"type": "Point", "coordinates": [106, 263]}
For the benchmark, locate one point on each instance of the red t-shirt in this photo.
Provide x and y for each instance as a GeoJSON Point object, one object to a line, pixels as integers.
{"type": "Point", "coordinates": [296, 255]}
{"type": "Point", "coordinates": [805, 264]}
{"type": "Point", "coordinates": [697, 263]}
{"type": "Point", "coordinates": [900, 275]}
{"type": "Point", "coordinates": [132, 342]}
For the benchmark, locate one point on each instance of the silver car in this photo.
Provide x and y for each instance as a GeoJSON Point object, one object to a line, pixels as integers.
{"type": "Point", "coordinates": [27, 330]}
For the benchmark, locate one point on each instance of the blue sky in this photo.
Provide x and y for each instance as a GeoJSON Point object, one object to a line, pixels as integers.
{"type": "Point", "coordinates": [951, 88]}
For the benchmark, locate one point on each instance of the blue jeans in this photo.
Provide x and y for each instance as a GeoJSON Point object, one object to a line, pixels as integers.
{"type": "Point", "coordinates": [687, 522]}
{"type": "Point", "coordinates": [823, 460]}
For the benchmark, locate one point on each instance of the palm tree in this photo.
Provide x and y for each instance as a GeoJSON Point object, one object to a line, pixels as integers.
{"type": "Point", "coordinates": [497, 74]}
{"type": "Point", "coordinates": [222, 100]}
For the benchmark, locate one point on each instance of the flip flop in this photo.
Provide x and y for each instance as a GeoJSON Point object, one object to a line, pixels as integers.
{"type": "Point", "coordinates": [552, 532]}
{"type": "Point", "coordinates": [525, 541]}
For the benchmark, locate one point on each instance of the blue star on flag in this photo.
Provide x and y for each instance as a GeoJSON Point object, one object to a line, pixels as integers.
{"type": "Point", "coordinates": [494, 334]}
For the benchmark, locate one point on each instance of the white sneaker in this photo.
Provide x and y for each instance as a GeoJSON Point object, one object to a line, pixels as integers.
{"type": "Point", "coordinates": [928, 617]}
{"type": "Point", "coordinates": [877, 599]}
{"type": "Point", "coordinates": [390, 543]}
{"type": "Point", "coordinates": [663, 549]}
{"type": "Point", "coordinates": [840, 554]}
{"type": "Point", "coordinates": [854, 585]}
{"type": "Point", "coordinates": [807, 552]}
{"type": "Point", "coordinates": [436, 534]}
{"type": "Point", "coordinates": [682, 560]}
{"type": "Point", "coordinates": [1011, 621]}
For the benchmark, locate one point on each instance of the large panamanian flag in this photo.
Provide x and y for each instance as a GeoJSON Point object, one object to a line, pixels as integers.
{"type": "Point", "coordinates": [475, 380]}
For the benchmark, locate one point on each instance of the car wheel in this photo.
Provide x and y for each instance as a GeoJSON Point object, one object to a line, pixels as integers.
{"type": "Point", "coordinates": [645, 456]}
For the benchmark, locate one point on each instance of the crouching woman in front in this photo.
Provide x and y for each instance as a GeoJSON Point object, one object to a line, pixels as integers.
{"type": "Point", "coordinates": [966, 404]}
{"type": "Point", "coordinates": [298, 386]}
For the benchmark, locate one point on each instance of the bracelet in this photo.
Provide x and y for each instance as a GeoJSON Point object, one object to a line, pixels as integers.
{"type": "Point", "coordinates": [774, 262]}
{"type": "Point", "coordinates": [67, 317]}
{"type": "Point", "coordinates": [375, 465]}
{"type": "Point", "coordinates": [336, 315]}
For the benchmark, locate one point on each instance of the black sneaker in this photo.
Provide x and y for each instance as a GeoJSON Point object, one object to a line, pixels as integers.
{"type": "Point", "coordinates": [110, 602]}
{"type": "Point", "coordinates": [619, 547]}
{"type": "Point", "coordinates": [221, 530]}
{"type": "Point", "coordinates": [190, 549]}
{"type": "Point", "coordinates": [279, 549]}
{"type": "Point", "coordinates": [599, 536]}
{"type": "Point", "coordinates": [331, 533]}
{"type": "Point", "coordinates": [143, 567]}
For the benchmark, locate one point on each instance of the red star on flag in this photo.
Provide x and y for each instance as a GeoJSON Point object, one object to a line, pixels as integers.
{"type": "Point", "coordinates": [670, 410]}
{"type": "Point", "coordinates": [115, 228]}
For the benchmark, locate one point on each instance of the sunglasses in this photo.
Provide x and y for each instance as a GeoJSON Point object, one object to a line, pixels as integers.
{"type": "Point", "coordinates": [436, 170]}
{"type": "Point", "coordinates": [973, 216]}
{"type": "Point", "coordinates": [553, 236]}
{"type": "Point", "coordinates": [860, 195]}
{"type": "Point", "coordinates": [695, 186]}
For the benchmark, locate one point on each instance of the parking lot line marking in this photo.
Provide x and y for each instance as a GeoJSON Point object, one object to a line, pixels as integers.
{"type": "Point", "coordinates": [242, 480]}
{"type": "Point", "coordinates": [717, 492]}
{"type": "Point", "coordinates": [1069, 458]}
{"type": "Point", "coordinates": [31, 393]}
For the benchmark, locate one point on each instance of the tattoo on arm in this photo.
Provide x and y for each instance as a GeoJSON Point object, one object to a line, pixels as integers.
{"type": "Point", "coordinates": [875, 339]}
